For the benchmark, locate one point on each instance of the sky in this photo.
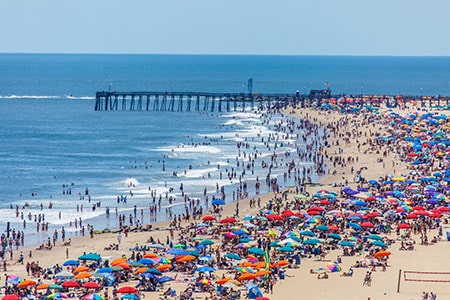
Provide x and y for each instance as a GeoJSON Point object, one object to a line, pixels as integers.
{"type": "Point", "coordinates": [283, 27]}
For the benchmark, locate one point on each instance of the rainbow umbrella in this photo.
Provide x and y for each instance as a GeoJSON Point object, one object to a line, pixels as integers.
{"type": "Point", "coordinates": [334, 268]}
{"type": "Point", "coordinates": [93, 296]}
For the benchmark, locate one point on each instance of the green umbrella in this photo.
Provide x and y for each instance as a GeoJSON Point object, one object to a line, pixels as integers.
{"type": "Point", "coordinates": [90, 256]}
{"type": "Point", "coordinates": [55, 286]}
{"type": "Point", "coordinates": [335, 236]}
{"type": "Point", "coordinates": [207, 242]}
{"type": "Point", "coordinates": [255, 250]}
{"type": "Point", "coordinates": [179, 246]}
{"type": "Point", "coordinates": [346, 244]}
{"type": "Point", "coordinates": [375, 237]}
{"type": "Point", "coordinates": [286, 249]}
{"type": "Point", "coordinates": [378, 243]}
{"type": "Point", "coordinates": [194, 253]}
{"type": "Point", "coordinates": [301, 197]}
{"type": "Point", "coordinates": [322, 227]}
{"type": "Point", "coordinates": [232, 256]}
{"type": "Point", "coordinates": [136, 264]}
{"type": "Point", "coordinates": [312, 242]}
{"type": "Point", "coordinates": [117, 268]}
{"type": "Point", "coordinates": [306, 232]}
{"type": "Point", "coordinates": [274, 244]}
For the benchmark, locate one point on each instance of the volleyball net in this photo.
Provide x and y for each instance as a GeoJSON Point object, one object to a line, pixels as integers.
{"type": "Point", "coordinates": [422, 276]}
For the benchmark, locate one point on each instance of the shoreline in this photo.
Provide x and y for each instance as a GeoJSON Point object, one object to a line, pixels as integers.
{"type": "Point", "coordinates": [333, 182]}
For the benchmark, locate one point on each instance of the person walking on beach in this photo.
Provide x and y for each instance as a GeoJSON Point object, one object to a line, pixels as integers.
{"type": "Point", "coordinates": [119, 237]}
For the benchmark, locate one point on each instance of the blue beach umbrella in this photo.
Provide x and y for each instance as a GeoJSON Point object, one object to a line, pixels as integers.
{"type": "Point", "coordinates": [355, 225]}
{"type": "Point", "coordinates": [378, 243]}
{"type": "Point", "coordinates": [218, 202]}
{"type": "Point", "coordinates": [71, 262]}
{"type": "Point", "coordinates": [346, 244]}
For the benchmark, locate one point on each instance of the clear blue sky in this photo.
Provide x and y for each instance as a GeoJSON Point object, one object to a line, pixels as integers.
{"type": "Point", "coordinates": [317, 27]}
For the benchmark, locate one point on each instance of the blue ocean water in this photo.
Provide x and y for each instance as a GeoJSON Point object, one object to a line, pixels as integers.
{"type": "Point", "coordinates": [51, 136]}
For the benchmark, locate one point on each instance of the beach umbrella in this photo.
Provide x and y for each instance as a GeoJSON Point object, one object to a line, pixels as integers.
{"type": "Point", "coordinates": [334, 236]}
{"type": "Point", "coordinates": [57, 295]}
{"type": "Point", "coordinates": [127, 290]}
{"type": "Point", "coordinates": [185, 258]}
{"type": "Point", "coordinates": [255, 250]}
{"type": "Point", "coordinates": [312, 242]}
{"type": "Point", "coordinates": [164, 267]}
{"type": "Point", "coordinates": [81, 269]}
{"type": "Point", "coordinates": [164, 279]}
{"type": "Point", "coordinates": [13, 279]}
{"type": "Point", "coordinates": [378, 243]}
{"type": "Point", "coordinates": [11, 297]}
{"type": "Point", "coordinates": [82, 275]}
{"type": "Point", "coordinates": [262, 298]}
{"type": "Point", "coordinates": [130, 297]}
{"type": "Point", "coordinates": [322, 227]}
{"type": "Point", "coordinates": [307, 233]}
{"type": "Point", "coordinates": [286, 249]}
{"type": "Point", "coordinates": [64, 274]}
{"type": "Point", "coordinates": [208, 218]}
{"type": "Point", "coordinates": [207, 242]}
{"type": "Point", "coordinates": [218, 202]}
{"type": "Point", "coordinates": [203, 269]}
{"type": "Point", "coordinates": [355, 225]}
{"type": "Point", "coordinates": [283, 263]}
{"type": "Point", "coordinates": [146, 261]}
{"type": "Point", "coordinates": [232, 256]}
{"type": "Point", "coordinates": [153, 271]}
{"type": "Point", "coordinates": [404, 226]}
{"type": "Point", "coordinates": [230, 285]}
{"type": "Point", "coordinates": [246, 276]}
{"type": "Point", "coordinates": [26, 283]}
{"type": "Point", "coordinates": [43, 286]}
{"type": "Point", "coordinates": [91, 285]}
{"type": "Point", "coordinates": [118, 261]}
{"type": "Point", "coordinates": [375, 237]}
{"type": "Point", "coordinates": [382, 253]}
{"type": "Point", "coordinates": [150, 255]}
{"type": "Point", "coordinates": [148, 275]}
{"type": "Point", "coordinates": [334, 267]}
{"type": "Point", "coordinates": [93, 296]}
{"type": "Point", "coordinates": [71, 262]}
{"type": "Point", "coordinates": [163, 260]}
{"type": "Point", "coordinates": [346, 243]}
{"type": "Point", "coordinates": [90, 256]}
{"type": "Point", "coordinates": [367, 224]}
{"type": "Point", "coordinates": [55, 287]}
{"type": "Point", "coordinates": [105, 270]}
{"type": "Point", "coordinates": [70, 284]}
{"type": "Point", "coordinates": [228, 220]}
{"type": "Point", "coordinates": [262, 272]}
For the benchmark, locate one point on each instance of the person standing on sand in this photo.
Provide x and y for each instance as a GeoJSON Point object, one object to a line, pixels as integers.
{"type": "Point", "coordinates": [119, 237]}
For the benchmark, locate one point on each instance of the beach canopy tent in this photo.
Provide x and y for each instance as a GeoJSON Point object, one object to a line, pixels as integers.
{"type": "Point", "coordinates": [253, 291]}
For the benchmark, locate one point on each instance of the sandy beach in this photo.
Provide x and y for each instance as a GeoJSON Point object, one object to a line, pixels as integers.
{"type": "Point", "coordinates": [351, 160]}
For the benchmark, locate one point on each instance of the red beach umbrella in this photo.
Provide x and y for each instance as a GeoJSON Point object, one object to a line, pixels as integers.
{"type": "Point", "coordinates": [91, 285]}
{"type": "Point", "coordinates": [70, 284]}
{"type": "Point", "coordinates": [127, 290]}
{"type": "Point", "coordinates": [208, 218]}
{"type": "Point", "coordinates": [367, 224]}
{"type": "Point", "coordinates": [403, 226]}
{"type": "Point", "coordinates": [11, 297]}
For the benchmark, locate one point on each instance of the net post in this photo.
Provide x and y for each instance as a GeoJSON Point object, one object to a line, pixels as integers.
{"type": "Point", "coordinates": [399, 278]}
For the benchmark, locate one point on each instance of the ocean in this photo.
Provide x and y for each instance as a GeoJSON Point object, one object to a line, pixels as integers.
{"type": "Point", "coordinates": [52, 140]}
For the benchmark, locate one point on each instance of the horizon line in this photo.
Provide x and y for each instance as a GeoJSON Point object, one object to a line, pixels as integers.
{"type": "Point", "coordinates": [218, 54]}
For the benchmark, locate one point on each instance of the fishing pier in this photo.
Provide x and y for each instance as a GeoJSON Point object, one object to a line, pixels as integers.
{"type": "Point", "coordinates": [188, 101]}
{"type": "Point", "coordinates": [226, 102]}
